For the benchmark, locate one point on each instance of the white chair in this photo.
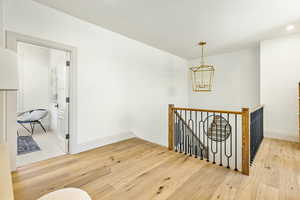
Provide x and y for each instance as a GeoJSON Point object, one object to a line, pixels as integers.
{"type": "Point", "coordinates": [67, 194]}
{"type": "Point", "coordinates": [32, 117]}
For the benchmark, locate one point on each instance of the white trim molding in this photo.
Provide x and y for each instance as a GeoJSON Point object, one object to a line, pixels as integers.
{"type": "Point", "coordinates": [281, 135]}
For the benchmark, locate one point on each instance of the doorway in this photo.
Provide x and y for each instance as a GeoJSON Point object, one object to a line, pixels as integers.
{"type": "Point", "coordinates": [42, 116]}
{"type": "Point", "coordinates": [45, 115]}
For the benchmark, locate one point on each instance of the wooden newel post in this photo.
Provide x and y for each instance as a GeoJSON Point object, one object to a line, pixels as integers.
{"type": "Point", "coordinates": [245, 142]}
{"type": "Point", "coordinates": [171, 127]}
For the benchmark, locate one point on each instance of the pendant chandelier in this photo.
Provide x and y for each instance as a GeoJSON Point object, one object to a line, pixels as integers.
{"type": "Point", "coordinates": [202, 75]}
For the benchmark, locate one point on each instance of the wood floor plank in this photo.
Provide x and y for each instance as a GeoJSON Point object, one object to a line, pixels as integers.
{"type": "Point", "coordinates": [202, 185]}
{"type": "Point", "coordinates": [136, 169]}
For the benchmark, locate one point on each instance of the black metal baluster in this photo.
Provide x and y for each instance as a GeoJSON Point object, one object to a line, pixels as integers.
{"type": "Point", "coordinates": [181, 132]}
{"type": "Point", "coordinates": [187, 144]}
{"type": "Point", "coordinates": [221, 139]}
{"type": "Point", "coordinates": [203, 136]}
{"type": "Point", "coordinates": [235, 122]}
{"type": "Point", "coordinates": [207, 124]}
{"type": "Point", "coordinates": [228, 156]}
{"type": "Point", "coordinates": [176, 131]}
{"type": "Point", "coordinates": [196, 133]}
{"type": "Point", "coordinates": [185, 137]}
{"type": "Point", "coordinates": [214, 141]}
{"type": "Point", "coordinates": [191, 122]}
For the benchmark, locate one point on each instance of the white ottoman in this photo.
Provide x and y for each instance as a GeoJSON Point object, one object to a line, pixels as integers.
{"type": "Point", "coordinates": [67, 194]}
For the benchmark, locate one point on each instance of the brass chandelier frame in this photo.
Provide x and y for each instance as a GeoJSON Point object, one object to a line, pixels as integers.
{"type": "Point", "coordinates": [200, 82]}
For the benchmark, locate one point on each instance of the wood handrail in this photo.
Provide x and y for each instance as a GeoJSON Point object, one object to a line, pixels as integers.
{"type": "Point", "coordinates": [255, 108]}
{"type": "Point", "coordinates": [208, 110]}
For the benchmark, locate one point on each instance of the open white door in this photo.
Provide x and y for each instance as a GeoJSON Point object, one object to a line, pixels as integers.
{"type": "Point", "coordinates": [62, 105]}
{"type": "Point", "coordinates": [67, 100]}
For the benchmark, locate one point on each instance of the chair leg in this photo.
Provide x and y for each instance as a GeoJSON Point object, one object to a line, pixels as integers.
{"type": "Point", "coordinates": [32, 124]}
{"type": "Point", "coordinates": [26, 128]}
{"type": "Point", "coordinates": [40, 123]}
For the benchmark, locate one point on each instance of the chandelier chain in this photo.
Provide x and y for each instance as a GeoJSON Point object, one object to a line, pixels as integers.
{"type": "Point", "coordinates": [202, 55]}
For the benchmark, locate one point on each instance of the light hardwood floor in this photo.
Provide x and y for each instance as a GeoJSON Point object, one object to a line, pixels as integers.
{"type": "Point", "coordinates": [138, 170]}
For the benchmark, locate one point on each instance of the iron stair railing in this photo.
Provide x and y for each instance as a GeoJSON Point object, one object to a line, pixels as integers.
{"type": "Point", "coordinates": [218, 136]}
{"type": "Point", "coordinates": [256, 131]}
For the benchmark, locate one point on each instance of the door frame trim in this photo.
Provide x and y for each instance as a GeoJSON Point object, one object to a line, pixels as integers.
{"type": "Point", "coordinates": [11, 40]}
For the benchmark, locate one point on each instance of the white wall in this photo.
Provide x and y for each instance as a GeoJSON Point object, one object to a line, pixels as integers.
{"type": "Point", "coordinates": [1, 93]}
{"type": "Point", "coordinates": [33, 93]}
{"type": "Point", "coordinates": [236, 81]}
{"type": "Point", "coordinates": [1, 23]}
{"type": "Point", "coordinates": [123, 85]}
{"type": "Point", "coordinates": [280, 74]}
{"type": "Point", "coordinates": [34, 63]}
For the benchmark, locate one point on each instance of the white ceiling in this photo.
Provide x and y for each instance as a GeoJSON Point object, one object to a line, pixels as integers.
{"type": "Point", "coordinates": [177, 26]}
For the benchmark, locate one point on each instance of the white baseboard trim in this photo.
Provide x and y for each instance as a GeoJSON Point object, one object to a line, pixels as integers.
{"type": "Point", "coordinates": [281, 135]}
{"type": "Point", "coordinates": [103, 141]}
